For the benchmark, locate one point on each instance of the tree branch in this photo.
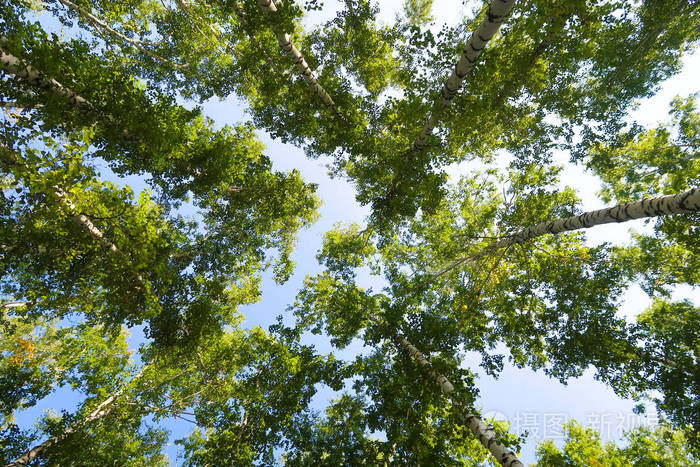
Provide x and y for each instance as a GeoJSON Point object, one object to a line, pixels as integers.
{"type": "Point", "coordinates": [98, 23]}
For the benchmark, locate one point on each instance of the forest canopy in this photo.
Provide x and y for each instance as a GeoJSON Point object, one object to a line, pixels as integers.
{"type": "Point", "coordinates": [456, 138]}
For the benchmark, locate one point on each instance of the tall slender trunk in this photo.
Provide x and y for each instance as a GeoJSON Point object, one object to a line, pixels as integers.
{"type": "Point", "coordinates": [484, 434]}
{"type": "Point", "coordinates": [495, 16]}
{"type": "Point", "coordinates": [15, 66]}
{"type": "Point", "coordinates": [88, 226]}
{"type": "Point", "coordinates": [103, 409]}
{"type": "Point", "coordinates": [84, 222]}
{"type": "Point", "coordinates": [81, 220]}
{"type": "Point", "coordinates": [685, 202]}
{"type": "Point", "coordinates": [285, 42]}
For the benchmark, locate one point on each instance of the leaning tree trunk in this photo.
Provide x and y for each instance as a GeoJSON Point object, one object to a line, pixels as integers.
{"type": "Point", "coordinates": [89, 227]}
{"type": "Point", "coordinates": [495, 16]}
{"type": "Point", "coordinates": [14, 66]}
{"type": "Point", "coordinates": [486, 435]}
{"type": "Point", "coordinates": [685, 202]}
{"type": "Point", "coordinates": [84, 222]}
{"type": "Point", "coordinates": [285, 42]}
{"type": "Point", "coordinates": [103, 409]}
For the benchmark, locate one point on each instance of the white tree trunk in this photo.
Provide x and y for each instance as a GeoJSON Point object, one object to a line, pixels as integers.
{"type": "Point", "coordinates": [495, 16]}
{"type": "Point", "coordinates": [84, 222]}
{"type": "Point", "coordinates": [285, 42]}
{"type": "Point", "coordinates": [13, 65]}
{"type": "Point", "coordinates": [87, 225]}
{"type": "Point", "coordinates": [80, 219]}
{"type": "Point", "coordinates": [485, 435]}
{"type": "Point", "coordinates": [104, 408]}
{"type": "Point", "coordinates": [685, 202]}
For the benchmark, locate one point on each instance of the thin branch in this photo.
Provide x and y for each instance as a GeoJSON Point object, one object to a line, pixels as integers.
{"type": "Point", "coordinates": [191, 16]}
{"type": "Point", "coordinates": [98, 23]}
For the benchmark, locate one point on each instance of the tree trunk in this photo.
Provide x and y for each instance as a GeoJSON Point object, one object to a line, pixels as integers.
{"type": "Point", "coordinates": [104, 408]}
{"type": "Point", "coordinates": [87, 225]}
{"type": "Point", "coordinates": [285, 42]}
{"type": "Point", "coordinates": [486, 435]}
{"type": "Point", "coordinates": [84, 222]}
{"type": "Point", "coordinates": [14, 66]}
{"type": "Point", "coordinates": [495, 16]}
{"type": "Point", "coordinates": [685, 202]}
{"type": "Point", "coordinates": [80, 219]}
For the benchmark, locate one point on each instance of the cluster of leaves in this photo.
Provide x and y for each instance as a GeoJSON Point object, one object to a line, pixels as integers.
{"type": "Point", "coordinates": [644, 446]}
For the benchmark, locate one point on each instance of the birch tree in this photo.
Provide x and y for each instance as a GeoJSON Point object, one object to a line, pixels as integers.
{"type": "Point", "coordinates": [241, 389]}
{"type": "Point", "coordinates": [484, 434]}
{"type": "Point", "coordinates": [285, 42]}
{"type": "Point", "coordinates": [681, 203]}
{"type": "Point", "coordinates": [538, 56]}
{"type": "Point", "coordinates": [333, 303]}
{"type": "Point", "coordinates": [496, 14]}
{"type": "Point", "coordinates": [552, 302]}
{"type": "Point", "coordinates": [95, 364]}
{"type": "Point", "coordinates": [247, 209]}
{"type": "Point", "coordinates": [47, 266]}
{"type": "Point", "coordinates": [651, 162]}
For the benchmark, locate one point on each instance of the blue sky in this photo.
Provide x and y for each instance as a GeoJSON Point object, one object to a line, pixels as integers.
{"type": "Point", "coordinates": [528, 399]}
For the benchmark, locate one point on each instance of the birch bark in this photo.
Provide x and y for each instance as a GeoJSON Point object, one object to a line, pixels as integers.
{"type": "Point", "coordinates": [486, 435]}
{"type": "Point", "coordinates": [685, 202]}
{"type": "Point", "coordinates": [13, 304]}
{"type": "Point", "coordinates": [14, 66]}
{"type": "Point", "coordinates": [80, 219]}
{"type": "Point", "coordinates": [88, 226]}
{"type": "Point", "coordinates": [103, 409]}
{"type": "Point", "coordinates": [497, 12]}
{"type": "Point", "coordinates": [285, 42]}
